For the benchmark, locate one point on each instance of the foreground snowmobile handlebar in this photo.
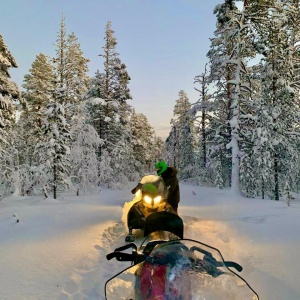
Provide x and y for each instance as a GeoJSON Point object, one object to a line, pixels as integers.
{"type": "Point", "coordinates": [136, 257]}
{"type": "Point", "coordinates": [121, 256]}
{"type": "Point", "coordinates": [168, 266]}
{"type": "Point", "coordinates": [209, 258]}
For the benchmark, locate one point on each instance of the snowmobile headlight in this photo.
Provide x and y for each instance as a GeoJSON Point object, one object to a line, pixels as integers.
{"type": "Point", "coordinates": [148, 199]}
{"type": "Point", "coordinates": [157, 199]}
{"type": "Point", "coordinates": [138, 193]}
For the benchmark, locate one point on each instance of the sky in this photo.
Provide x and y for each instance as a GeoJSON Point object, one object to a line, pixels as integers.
{"type": "Point", "coordinates": [58, 248]}
{"type": "Point", "coordinates": [162, 42]}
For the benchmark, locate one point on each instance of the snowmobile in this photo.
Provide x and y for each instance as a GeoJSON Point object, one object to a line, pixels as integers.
{"type": "Point", "coordinates": [178, 269]}
{"type": "Point", "coordinates": [151, 194]}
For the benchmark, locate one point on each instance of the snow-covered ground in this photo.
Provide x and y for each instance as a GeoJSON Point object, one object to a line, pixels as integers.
{"type": "Point", "coordinates": [57, 249]}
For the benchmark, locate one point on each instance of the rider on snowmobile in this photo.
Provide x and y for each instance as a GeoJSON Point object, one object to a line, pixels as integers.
{"type": "Point", "coordinates": [169, 176]}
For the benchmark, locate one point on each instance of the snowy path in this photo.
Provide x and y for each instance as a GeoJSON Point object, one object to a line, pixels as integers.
{"type": "Point", "coordinates": [57, 250]}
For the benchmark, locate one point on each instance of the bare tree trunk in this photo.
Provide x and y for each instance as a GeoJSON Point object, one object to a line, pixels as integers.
{"type": "Point", "coordinates": [275, 158]}
{"type": "Point", "coordinates": [204, 138]}
{"type": "Point", "coordinates": [276, 181]}
{"type": "Point", "coordinates": [203, 129]}
{"type": "Point", "coordinates": [54, 180]}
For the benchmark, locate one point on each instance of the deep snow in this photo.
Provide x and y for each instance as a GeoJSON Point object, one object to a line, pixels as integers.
{"type": "Point", "coordinates": [57, 249]}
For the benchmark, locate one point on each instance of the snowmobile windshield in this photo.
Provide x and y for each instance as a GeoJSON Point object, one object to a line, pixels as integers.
{"type": "Point", "coordinates": [157, 182]}
{"type": "Point", "coordinates": [180, 270]}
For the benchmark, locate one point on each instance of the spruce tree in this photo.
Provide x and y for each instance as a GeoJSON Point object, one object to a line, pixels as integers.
{"type": "Point", "coordinates": [204, 107]}
{"type": "Point", "coordinates": [184, 135]}
{"type": "Point", "coordinates": [54, 153]}
{"type": "Point", "coordinates": [9, 95]}
{"type": "Point", "coordinates": [171, 149]}
{"type": "Point", "coordinates": [111, 112]}
{"type": "Point", "coordinates": [77, 80]}
{"type": "Point", "coordinates": [233, 108]}
{"type": "Point", "coordinates": [142, 142]}
{"type": "Point", "coordinates": [39, 85]}
{"type": "Point", "coordinates": [279, 103]}
{"type": "Point", "coordinates": [219, 77]}
{"type": "Point", "coordinates": [70, 69]}
{"type": "Point", "coordinates": [83, 157]}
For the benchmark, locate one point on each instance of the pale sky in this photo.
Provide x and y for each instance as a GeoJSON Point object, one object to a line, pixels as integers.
{"type": "Point", "coordinates": [162, 42]}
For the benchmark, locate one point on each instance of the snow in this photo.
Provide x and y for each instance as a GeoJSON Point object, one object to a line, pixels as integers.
{"type": "Point", "coordinates": [57, 249]}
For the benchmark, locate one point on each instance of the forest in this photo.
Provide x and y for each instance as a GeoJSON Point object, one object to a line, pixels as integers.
{"type": "Point", "coordinates": [66, 131]}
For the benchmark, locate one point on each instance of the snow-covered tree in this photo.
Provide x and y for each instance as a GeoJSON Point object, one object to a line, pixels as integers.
{"type": "Point", "coordinates": [77, 80]}
{"type": "Point", "coordinates": [241, 39]}
{"type": "Point", "coordinates": [111, 113]}
{"type": "Point", "coordinates": [171, 149]}
{"type": "Point", "coordinates": [142, 142]}
{"type": "Point", "coordinates": [278, 109]}
{"type": "Point", "coordinates": [54, 153]}
{"type": "Point", "coordinates": [233, 118]}
{"type": "Point", "coordinates": [96, 107]}
{"type": "Point", "coordinates": [9, 94]}
{"type": "Point", "coordinates": [70, 69]}
{"type": "Point", "coordinates": [116, 91]}
{"type": "Point", "coordinates": [219, 132]}
{"type": "Point", "coordinates": [157, 150]}
{"type": "Point", "coordinates": [83, 157]}
{"type": "Point", "coordinates": [218, 181]}
{"type": "Point", "coordinates": [39, 85]}
{"type": "Point", "coordinates": [200, 110]}
{"type": "Point", "coordinates": [180, 143]}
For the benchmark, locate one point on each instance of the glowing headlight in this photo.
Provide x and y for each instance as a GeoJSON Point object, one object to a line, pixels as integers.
{"type": "Point", "coordinates": [148, 199]}
{"type": "Point", "coordinates": [157, 199]}
{"type": "Point", "coordinates": [138, 193]}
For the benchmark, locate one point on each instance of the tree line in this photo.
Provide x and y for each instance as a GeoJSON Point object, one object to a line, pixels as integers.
{"type": "Point", "coordinates": [72, 132]}
{"type": "Point", "coordinates": [243, 132]}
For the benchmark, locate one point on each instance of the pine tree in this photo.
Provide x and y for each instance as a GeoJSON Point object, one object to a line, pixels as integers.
{"type": "Point", "coordinates": [70, 69]}
{"type": "Point", "coordinates": [111, 112]}
{"type": "Point", "coordinates": [279, 103]}
{"type": "Point", "coordinates": [171, 148]}
{"type": "Point", "coordinates": [220, 75]}
{"type": "Point", "coordinates": [39, 86]}
{"type": "Point", "coordinates": [233, 113]}
{"type": "Point", "coordinates": [96, 107]}
{"type": "Point", "coordinates": [241, 39]}
{"type": "Point", "coordinates": [142, 142]}
{"type": "Point", "coordinates": [60, 61]}
{"type": "Point", "coordinates": [76, 65]}
{"type": "Point", "coordinates": [184, 135]}
{"type": "Point", "coordinates": [116, 91]}
{"type": "Point", "coordinates": [53, 153]}
{"type": "Point", "coordinates": [218, 181]}
{"type": "Point", "coordinates": [83, 157]}
{"type": "Point", "coordinates": [157, 151]}
{"type": "Point", "coordinates": [9, 94]}
{"type": "Point", "coordinates": [202, 105]}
